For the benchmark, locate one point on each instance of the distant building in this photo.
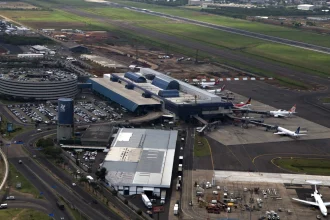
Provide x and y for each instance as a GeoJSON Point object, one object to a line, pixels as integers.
{"type": "Point", "coordinates": [306, 7]}
{"type": "Point", "coordinates": [97, 135]}
{"type": "Point", "coordinates": [39, 49]}
{"type": "Point", "coordinates": [79, 49]}
{"type": "Point", "coordinates": [30, 55]}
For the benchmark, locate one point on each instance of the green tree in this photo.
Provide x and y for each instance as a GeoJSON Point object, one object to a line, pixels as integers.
{"type": "Point", "coordinates": [101, 173]}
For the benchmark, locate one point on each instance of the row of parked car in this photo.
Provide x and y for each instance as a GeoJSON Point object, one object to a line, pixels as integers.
{"type": "Point", "coordinates": [21, 117]}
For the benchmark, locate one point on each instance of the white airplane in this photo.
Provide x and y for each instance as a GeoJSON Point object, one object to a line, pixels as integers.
{"type": "Point", "coordinates": [283, 113]}
{"type": "Point", "coordinates": [209, 84]}
{"type": "Point", "coordinates": [318, 199]}
{"type": "Point", "coordinates": [217, 91]}
{"type": "Point", "coordinates": [283, 131]}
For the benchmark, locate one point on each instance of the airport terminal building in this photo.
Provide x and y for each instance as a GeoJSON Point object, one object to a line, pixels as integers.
{"type": "Point", "coordinates": [141, 160]}
{"type": "Point", "coordinates": [151, 90]}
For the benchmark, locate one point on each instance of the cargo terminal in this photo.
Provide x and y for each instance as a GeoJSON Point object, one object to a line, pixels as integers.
{"type": "Point", "coordinates": [141, 160]}
{"type": "Point", "coordinates": [151, 90]}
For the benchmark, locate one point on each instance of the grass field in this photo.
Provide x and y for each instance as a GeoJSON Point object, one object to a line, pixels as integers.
{"type": "Point", "coordinates": [54, 19]}
{"type": "Point", "coordinates": [201, 147]}
{"type": "Point", "coordinates": [15, 177]}
{"type": "Point", "coordinates": [300, 59]}
{"type": "Point", "coordinates": [126, 15]}
{"type": "Point", "coordinates": [272, 30]}
{"type": "Point", "coordinates": [23, 214]}
{"type": "Point", "coordinates": [315, 62]}
{"type": "Point", "coordinates": [302, 165]}
{"type": "Point", "coordinates": [325, 100]}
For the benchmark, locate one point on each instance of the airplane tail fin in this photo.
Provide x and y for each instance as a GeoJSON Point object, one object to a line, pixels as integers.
{"type": "Point", "coordinates": [248, 101]}
{"type": "Point", "coordinates": [217, 82]}
{"type": "Point", "coordinates": [298, 130]}
{"type": "Point", "coordinates": [293, 109]}
{"type": "Point", "coordinates": [223, 87]}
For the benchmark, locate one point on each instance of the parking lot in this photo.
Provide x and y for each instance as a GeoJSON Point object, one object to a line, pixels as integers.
{"type": "Point", "coordinates": [84, 112]}
{"type": "Point", "coordinates": [89, 160]}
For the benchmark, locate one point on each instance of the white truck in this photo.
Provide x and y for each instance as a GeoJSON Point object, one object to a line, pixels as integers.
{"type": "Point", "coordinates": [146, 201]}
{"type": "Point", "coordinates": [162, 196]}
{"type": "Point", "coordinates": [176, 209]}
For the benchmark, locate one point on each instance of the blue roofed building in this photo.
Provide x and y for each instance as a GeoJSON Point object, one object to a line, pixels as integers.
{"type": "Point", "coordinates": [150, 89]}
{"type": "Point", "coordinates": [135, 77]}
{"type": "Point", "coordinates": [165, 83]}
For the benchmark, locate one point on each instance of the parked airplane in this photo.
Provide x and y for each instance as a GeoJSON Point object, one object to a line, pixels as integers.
{"type": "Point", "coordinates": [208, 84]}
{"type": "Point", "coordinates": [243, 105]}
{"type": "Point", "coordinates": [283, 113]}
{"type": "Point", "coordinates": [318, 199]}
{"type": "Point", "coordinates": [217, 91]}
{"type": "Point", "coordinates": [283, 131]}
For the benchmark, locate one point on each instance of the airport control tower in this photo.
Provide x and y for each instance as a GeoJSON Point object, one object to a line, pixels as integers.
{"type": "Point", "coordinates": [65, 125]}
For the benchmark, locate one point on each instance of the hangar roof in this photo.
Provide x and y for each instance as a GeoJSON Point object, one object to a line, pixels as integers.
{"type": "Point", "coordinates": [141, 157]}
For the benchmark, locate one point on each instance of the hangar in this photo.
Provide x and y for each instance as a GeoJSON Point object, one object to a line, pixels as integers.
{"type": "Point", "coordinates": [141, 160]}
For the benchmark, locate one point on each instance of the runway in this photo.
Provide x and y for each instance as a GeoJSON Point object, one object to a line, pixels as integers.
{"type": "Point", "coordinates": [284, 41]}
{"type": "Point", "coordinates": [262, 64]}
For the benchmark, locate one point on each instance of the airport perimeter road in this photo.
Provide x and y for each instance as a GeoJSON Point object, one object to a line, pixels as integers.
{"type": "Point", "coordinates": [233, 30]}
{"type": "Point", "coordinates": [37, 204]}
{"type": "Point", "coordinates": [41, 186]}
{"type": "Point", "coordinates": [187, 190]}
{"type": "Point", "coordinates": [62, 184]}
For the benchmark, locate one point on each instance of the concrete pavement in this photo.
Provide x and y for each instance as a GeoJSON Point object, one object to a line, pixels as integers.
{"type": "Point", "coordinates": [236, 176]}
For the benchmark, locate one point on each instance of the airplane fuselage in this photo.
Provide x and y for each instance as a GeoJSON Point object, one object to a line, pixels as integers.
{"type": "Point", "coordinates": [319, 201]}
{"type": "Point", "coordinates": [215, 91]}
{"type": "Point", "coordinates": [287, 132]}
{"type": "Point", "coordinates": [205, 84]}
{"type": "Point", "coordinates": [279, 113]}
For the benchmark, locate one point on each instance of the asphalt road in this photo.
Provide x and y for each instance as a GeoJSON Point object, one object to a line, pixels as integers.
{"type": "Point", "coordinates": [75, 195]}
{"type": "Point", "coordinates": [231, 30]}
{"type": "Point", "coordinates": [33, 178]}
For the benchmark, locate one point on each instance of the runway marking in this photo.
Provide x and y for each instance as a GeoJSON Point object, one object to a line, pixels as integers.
{"type": "Point", "coordinates": [250, 158]}
{"type": "Point", "coordinates": [211, 153]}
{"type": "Point", "coordinates": [261, 155]}
{"type": "Point", "coordinates": [234, 155]}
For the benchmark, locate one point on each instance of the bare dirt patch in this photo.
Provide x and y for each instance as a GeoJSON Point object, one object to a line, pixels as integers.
{"type": "Point", "coordinates": [55, 25]}
{"type": "Point", "coordinates": [17, 5]}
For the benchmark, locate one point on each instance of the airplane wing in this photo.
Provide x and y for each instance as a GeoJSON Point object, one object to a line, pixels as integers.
{"type": "Point", "coordinates": [279, 115]}
{"type": "Point", "coordinates": [306, 202]}
{"type": "Point", "coordinates": [280, 133]}
{"type": "Point", "coordinates": [326, 203]}
{"type": "Point", "coordinates": [300, 134]}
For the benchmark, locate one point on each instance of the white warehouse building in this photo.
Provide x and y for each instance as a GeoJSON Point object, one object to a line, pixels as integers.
{"type": "Point", "coordinates": [306, 7]}
{"type": "Point", "coordinates": [30, 55]}
{"type": "Point", "coordinates": [141, 160]}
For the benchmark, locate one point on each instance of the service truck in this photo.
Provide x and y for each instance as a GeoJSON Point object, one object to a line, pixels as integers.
{"type": "Point", "coordinates": [176, 209]}
{"type": "Point", "coordinates": [146, 201]}
{"type": "Point", "coordinates": [162, 196]}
